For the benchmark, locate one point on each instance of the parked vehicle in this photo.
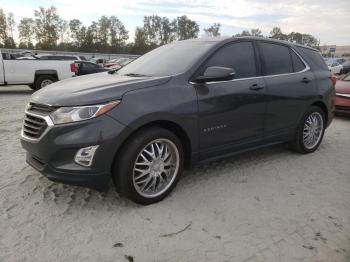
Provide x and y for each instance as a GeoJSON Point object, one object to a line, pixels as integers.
{"type": "Point", "coordinates": [99, 61]}
{"type": "Point", "coordinates": [33, 72]}
{"type": "Point", "coordinates": [118, 63]}
{"type": "Point", "coordinates": [86, 67]}
{"type": "Point", "coordinates": [346, 67]}
{"type": "Point", "coordinates": [183, 103]}
{"type": "Point", "coordinates": [62, 57]}
{"type": "Point", "coordinates": [335, 67]}
{"type": "Point", "coordinates": [342, 101]}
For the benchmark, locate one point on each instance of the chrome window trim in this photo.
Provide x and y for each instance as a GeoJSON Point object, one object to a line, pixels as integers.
{"type": "Point", "coordinates": [48, 121]}
{"type": "Point", "coordinates": [307, 68]}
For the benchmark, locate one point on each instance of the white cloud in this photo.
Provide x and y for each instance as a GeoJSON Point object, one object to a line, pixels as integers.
{"type": "Point", "coordinates": [327, 20]}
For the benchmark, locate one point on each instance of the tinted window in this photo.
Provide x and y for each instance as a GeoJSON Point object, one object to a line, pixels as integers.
{"type": "Point", "coordinates": [297, 63]}
{"type": "Point", "coordinates": [315, 57]}
{"type": "Point", "coordinates": [169, 59]}
{"type": "Point", "coordinates": [277, 59]}
{"type": "Point", "coordinates": [88, 65]}
{"type": "Point", "coordinates": [239, 56]}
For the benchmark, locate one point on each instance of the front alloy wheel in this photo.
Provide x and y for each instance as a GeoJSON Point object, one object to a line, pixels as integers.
{"type": "Point", "coordinates": [156, 167]}
{"type": "Point", "coordinates": [149, 165]}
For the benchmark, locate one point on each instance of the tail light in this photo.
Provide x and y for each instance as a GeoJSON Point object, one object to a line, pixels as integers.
{"type": "Point", "coordinates": [333, 79]}
{"type": "Point", "coordinates": [73, 68]}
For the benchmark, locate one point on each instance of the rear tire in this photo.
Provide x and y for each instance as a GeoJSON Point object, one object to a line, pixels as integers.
{"type": "Point", "coordinates": [154, 155]}
{"type": "Point", "coordinates": [310, 131]}
{"type": "Point", "coordinates": [43, 81]}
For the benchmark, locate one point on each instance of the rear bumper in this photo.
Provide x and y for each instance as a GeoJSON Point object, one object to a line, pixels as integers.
{"type": "Point", "coordinates": [342, 105]}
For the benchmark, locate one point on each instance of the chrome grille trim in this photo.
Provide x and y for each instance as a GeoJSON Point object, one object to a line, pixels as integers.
{"type": "Point", "coordinates": [35, 126]}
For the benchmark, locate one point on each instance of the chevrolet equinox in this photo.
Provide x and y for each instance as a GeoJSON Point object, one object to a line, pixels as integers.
{"type": "Point", "coordinates": [186, 102]}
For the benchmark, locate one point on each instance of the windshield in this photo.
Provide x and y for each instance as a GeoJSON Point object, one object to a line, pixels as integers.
{"type": "Point", "coordinates": [171, 59]}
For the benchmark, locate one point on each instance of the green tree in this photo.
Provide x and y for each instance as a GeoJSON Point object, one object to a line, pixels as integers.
{"type": "Point", "coordinates": [63, 30]}
{"type": "Point", "coordinates": [103, 26]}
{"type": "Point", "coordinates": [3, 28]}
{"type": "Point", "coordinates": [11, 24]}
{"type": "Point", "coordinates": [91, 37]}
{"type": "Point", "coordinates": [213, 30]}
{"type": "Point", "coordinates": [26, 32]}
{"type": "Point", "coordinates": [77, 33]}
{"type": "Point", "coordinates": [256, 32]}
{"type": "Point", "coordinates": [118, 34]}
{"type": "Point", "coordinates": [158, 30]}
{"type": "Point", "coordinates": [276, 33]}
{"type": "Point", "coordinates": [186, 28]}
{"type": "Point", "coordinates": [47, 24]}
{"type": "Point", "coordinates": [141, 44]}
{"type": "Point", "coordinates": [244, 33]}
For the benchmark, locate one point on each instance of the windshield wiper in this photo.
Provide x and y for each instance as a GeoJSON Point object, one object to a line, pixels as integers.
{"type": "Point", "coordinates": [135, 75]}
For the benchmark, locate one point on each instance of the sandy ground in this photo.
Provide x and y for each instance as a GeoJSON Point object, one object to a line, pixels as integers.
{"type": "Point", "coordinates": [267, 205]}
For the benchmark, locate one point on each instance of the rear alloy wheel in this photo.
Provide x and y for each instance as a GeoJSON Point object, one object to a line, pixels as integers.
{"type": "Point", "coordinates": [149, 165]}
{"type": "Point", "coordinates": [310, 131]}
{"type": "Point", "coordinates": [313, 128]}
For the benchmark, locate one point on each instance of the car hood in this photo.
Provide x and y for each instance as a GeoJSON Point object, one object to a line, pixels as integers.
{"type": "Point", "coordinates": [342, 87]}
{"type": "Point", "coordinates": [92, 89]}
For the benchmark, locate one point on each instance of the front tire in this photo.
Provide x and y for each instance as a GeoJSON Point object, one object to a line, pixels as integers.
{"type": "Point", "coordinates": [149, 165]}
{"type": "Point", "coordinates": [310, 131]}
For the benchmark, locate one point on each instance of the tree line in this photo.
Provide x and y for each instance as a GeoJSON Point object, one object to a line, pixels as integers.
{"type": "Point", "coordinates": [48, 31]}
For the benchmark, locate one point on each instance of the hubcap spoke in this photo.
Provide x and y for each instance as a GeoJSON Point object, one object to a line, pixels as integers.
{"type": "Point", "coordinates": [156, 168]}
{"type": "Point", "coordinates": [312, 131]}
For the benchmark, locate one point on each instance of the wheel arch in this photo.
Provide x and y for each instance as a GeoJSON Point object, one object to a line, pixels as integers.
{"type": "Point", "coordinates": [323, 106]}
{"type": "Point", "coordinates": [172, 126]}
{"type": "Point", "coordinates": [49, 72]}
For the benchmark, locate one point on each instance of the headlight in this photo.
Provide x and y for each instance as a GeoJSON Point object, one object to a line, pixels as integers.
{"type": "Point", "coordinates": [79, 113]}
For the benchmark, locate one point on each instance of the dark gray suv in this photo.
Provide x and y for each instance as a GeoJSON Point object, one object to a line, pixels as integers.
{"type": "Point", "coordinates": [182, 103]}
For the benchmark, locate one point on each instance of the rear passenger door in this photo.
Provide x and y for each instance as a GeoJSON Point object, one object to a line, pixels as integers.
{"type": "Point", "coordinates": [290, 88]}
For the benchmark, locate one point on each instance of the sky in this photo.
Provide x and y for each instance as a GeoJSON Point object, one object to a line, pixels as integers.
{"type": "Point", "coordinates": [328, 21]}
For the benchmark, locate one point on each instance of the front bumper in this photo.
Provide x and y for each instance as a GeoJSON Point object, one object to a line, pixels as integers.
{"type": "Point", "coordinates": [53, 155]}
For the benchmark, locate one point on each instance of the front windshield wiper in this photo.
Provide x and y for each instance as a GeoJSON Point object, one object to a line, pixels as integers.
{"type": "Point", "coordinates": [135, 75]}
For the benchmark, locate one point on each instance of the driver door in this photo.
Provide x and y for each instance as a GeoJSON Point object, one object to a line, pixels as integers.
{"type": "Point", "coordinates": [231, 113]}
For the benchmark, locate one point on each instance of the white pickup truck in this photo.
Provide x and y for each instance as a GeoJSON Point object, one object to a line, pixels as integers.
{"type": "Point", "coordinates": [33, 72]}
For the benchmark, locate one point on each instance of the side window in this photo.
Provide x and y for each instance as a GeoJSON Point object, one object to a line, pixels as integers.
{"type": "Point", "coordinates": [297, 63]}
{"type": "Point", "coordinates": [90, 66]}
{"type": "Point", "coordinates": [277, 59]}
{"type": "Point", "coordinates": [239, 56]}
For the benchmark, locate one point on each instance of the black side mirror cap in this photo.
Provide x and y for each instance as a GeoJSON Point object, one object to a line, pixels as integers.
{"type": "Point", "coordinates": [216, 73]}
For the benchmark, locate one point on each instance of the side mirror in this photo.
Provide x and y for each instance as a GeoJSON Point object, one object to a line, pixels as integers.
{"type": "Point", "coordinates": [216, 73]}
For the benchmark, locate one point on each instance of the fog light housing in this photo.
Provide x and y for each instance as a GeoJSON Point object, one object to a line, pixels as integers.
{"type": "Point", "coordinates": [85, 155]}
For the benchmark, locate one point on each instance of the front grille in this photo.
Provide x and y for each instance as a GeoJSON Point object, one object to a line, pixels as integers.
{"type": "Point", "coordinates": [33, 126]}
{"type": "Point", "coordinates": [41, 109]}
{"type": "Point", "coordinates": [342, 108]}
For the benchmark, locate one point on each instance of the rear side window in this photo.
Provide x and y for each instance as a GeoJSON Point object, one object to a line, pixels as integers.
{"type": "Point", "coordinates": [239, 56]}
{"type": "Point", "coordinates": [315, 57]}
{"type": "Point", "coordinates": [297, 63]}
{"type": "Point", "coordinates": [277, 59]}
